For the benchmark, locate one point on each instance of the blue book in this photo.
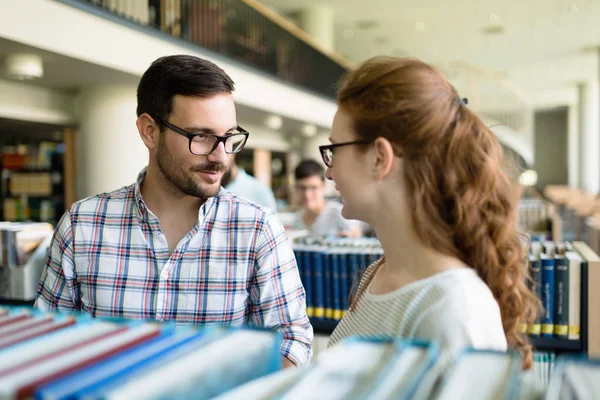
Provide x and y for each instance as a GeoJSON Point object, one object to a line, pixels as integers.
{"type": "Point", "coordinates": [318, 282]}
{"type": "Point", "coordinates": [336, 284]}
{"type": "Point", "coordinates": [561, 297]}
{"type": "Point", "coordinates": [345, 282]}
{"type": "Point", "coordinates": [548, 281]}
{"type": "Point", "coordinates": [308, 281]}
{"type": "Point", "coordinates": [535, 271]}
{"type": "Point", "coordinates": [328, 283]}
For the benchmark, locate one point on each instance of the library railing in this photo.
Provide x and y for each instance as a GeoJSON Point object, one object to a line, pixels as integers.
{"type": "Point", "coordinates": [242, 30]}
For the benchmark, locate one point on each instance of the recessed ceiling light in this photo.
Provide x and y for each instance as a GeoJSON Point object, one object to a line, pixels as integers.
{"type": "Point", "coordinates": [23, 66]}
{"type": "Point", "coordinates": [309, 130]}
{"type": "Point", "coordinates": [574, 8]}
{"type": "Point", "coordinates": [274, 122]}
{"type": "Point", "coordinates": [493, 30]}
{"type": "Point", "coordinates": [367, 24]}
{"type": "Point", "coordinates": [348, 33]}
{"type": "Point", "coordinates": [493, 18]}
{"type": "Point", "coordinates": [420, 26]}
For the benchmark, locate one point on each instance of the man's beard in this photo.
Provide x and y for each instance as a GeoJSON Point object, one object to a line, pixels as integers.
{"type": "Point", "coordinates": [181, 180]}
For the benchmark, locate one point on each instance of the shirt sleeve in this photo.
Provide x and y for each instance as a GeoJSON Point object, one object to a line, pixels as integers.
{"type": "Point", "coordinates": [57, 287]}
{"type": "Point", "coordinates": [277, 294]}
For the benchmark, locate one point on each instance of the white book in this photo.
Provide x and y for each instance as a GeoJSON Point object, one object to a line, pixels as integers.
{"type": "Point", "coordinates": [482, 375]}
{"type": "Point", "coordinates": [405, 372]}
{"type": "Point", "coordinates": [343, 371]}
{"type": "Point", "coordinates": [574, 294]}
{"type": "Point", "coordinates": [578, 380]}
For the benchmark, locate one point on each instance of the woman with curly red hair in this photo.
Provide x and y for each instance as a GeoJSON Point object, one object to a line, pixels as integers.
{"type": "Point", "coordinates": [432, 186]}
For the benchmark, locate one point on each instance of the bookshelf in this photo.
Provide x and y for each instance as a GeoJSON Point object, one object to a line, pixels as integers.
{"type": "Point", "coordinates": [588, 343]}
{"type": "Point", "coordinates": [37, 171]}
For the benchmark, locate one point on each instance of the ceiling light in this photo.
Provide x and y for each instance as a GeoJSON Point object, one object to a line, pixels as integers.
{"type": "Point", "coordinates": [420, 26]}
{"type": "Point", "coordinates": [493, 18]}
{"type": "Point", "coordinates": [367, 24]}
{"type": "Point", "coordinates": [528, 178]}
{"type": "Point", "coordinates": [348, 33]}
{"type": "Point", "coordinates": [274, 122]}
{"type": "Point", "coordinates": [493, 30]}
{"type": "Point", "coordinates": [23, 66]}
{"type": "Point", "coordinates": [309, 130]}
{"type": "Point", "coordinates": [574, 8]}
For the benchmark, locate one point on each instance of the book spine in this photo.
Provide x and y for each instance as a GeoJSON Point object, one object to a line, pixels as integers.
{"type": "Point", "coordinates": [336, 281]}
{"type": "Point", "coordinates": [535, 266]}
{"type": "Point", "coordinates": [561, 297]}
{"type": "Point", "coordinates": [574, 297]}
{"type": "Point", "coordinates": [548, 296]}
{"type": "Point", "coordinates": [318, 284]}
{"type": "Point", "coordinates": [328, 285]}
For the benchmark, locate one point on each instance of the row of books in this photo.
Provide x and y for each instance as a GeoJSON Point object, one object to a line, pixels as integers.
{"type": "Point", "coordinates": [543, 366]}
{"type": "Point", "coordinates": [24, 208]}
{"type": "Point", "coordinates": [329, 268]}
{"type": "Point", "coordinates": [58, 356]}
{"type": "Point", "coordinates": [54, 356]}
{"type": "Point", "coordinates": [403, 369]}
{"type": "Point", "coordinates": [533, 215]}
{"type": "Point", "coordinates": [556, 278]}
{"type": "Point", "coordinates": [29, 183]}
{"type": "Point", "coordinates": [30, 156]}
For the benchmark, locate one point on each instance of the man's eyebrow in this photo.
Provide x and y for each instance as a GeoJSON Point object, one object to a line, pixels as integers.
{"type": "Point", "coordinates": [208, 131]}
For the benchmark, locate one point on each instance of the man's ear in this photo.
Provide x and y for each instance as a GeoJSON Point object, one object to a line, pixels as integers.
{"type": "Point", "coordinates": [384, 158]}
{"type": "Point", "coordinates": [148, 130]}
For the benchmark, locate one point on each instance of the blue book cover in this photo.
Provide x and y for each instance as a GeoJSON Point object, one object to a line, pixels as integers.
{"type": "Point", "coordinates": [318, 274]}
{"type": "Point", "coordinates": [345, 282]}
{"type": "Point", "coordinates": [535, 271]}
{"type": "Point", "coordinates": [548, 281]}
{"type": "Point", "coordinates": [308, 281]}
{"type": "Point", "coordinates": [561, 297]}
{"type": "Point", "coordinates": [335, 287]}
{"type": "Point", "coordinates": [328, 283]}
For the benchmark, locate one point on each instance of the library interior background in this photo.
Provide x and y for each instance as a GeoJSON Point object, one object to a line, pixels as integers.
{"type": "Point", "coordinates": [69, 71]}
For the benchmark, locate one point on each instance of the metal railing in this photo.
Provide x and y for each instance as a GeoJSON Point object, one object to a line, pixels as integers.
{"type": "Point", "coordinates": [241, 30]}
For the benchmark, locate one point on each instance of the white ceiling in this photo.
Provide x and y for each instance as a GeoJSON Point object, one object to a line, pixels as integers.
{"type": "Point", "coordinates": [547, 46]}
{"type": "Point", "coordinates": [66, 73]}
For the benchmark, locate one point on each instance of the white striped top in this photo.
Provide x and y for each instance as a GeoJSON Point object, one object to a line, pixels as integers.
{"type": "Point", "coordinates": [454, 308]}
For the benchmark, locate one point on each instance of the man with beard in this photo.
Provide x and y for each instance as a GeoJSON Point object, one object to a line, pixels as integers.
{"type": "Point", "coordinates": [238, 181]}
{"type": "Point", "coordinates": [175, 245]}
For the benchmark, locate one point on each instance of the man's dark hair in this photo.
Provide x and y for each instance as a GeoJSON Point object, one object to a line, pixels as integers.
{"type": "Point", "coordinates": [308, 169]}
{"type": "Point", "coordinates": [179, 74]}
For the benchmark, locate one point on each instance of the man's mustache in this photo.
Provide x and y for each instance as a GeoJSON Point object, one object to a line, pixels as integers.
{"type": "Point", "coordinates": [210, 167]}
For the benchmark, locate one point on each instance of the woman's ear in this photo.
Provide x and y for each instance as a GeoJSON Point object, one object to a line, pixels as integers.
{"type": "Point", "coordinates": [384, 158]}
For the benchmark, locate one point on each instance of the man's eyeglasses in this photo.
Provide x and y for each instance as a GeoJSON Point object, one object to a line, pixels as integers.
{"type": "Point", "coordinates": [327, 151]}
{"type": "Point", "coordinates": [202, 144]}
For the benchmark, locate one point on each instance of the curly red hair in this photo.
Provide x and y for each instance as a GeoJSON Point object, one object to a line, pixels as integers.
{"type": "Point", "coordinates": [464, 204]}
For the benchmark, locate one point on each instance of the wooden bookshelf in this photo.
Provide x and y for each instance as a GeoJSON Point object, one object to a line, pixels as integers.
{"type": "Point", "coordinates": [39, 183]}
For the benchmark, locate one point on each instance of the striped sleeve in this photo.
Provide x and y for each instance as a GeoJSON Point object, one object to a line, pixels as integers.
{"type": "Point", "coordinates": [278, 297]}
{"type": "Point", "coordinates": [57, 287]}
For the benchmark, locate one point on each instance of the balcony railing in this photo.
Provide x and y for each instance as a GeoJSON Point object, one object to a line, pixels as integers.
{"type": "Point", "coordinates": [241, 30]}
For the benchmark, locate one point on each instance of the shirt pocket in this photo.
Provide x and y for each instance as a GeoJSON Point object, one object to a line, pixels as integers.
{"type": "Point", "coordinates": [219, 292]}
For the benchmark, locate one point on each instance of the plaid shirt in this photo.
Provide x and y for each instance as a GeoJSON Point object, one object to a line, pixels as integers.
{"type": "Point", "coordinates": [108, 257]}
